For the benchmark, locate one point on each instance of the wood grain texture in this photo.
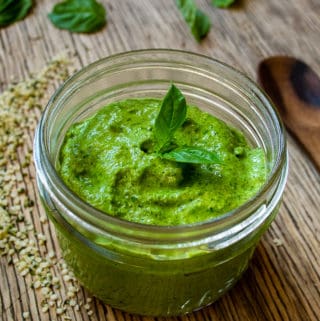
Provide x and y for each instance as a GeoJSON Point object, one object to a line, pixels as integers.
{"type": "Point", "coordinates": [283, 280]}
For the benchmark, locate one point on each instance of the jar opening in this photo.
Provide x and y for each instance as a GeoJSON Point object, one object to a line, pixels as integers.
{"type": "Point", "coordinates": [206, 83]}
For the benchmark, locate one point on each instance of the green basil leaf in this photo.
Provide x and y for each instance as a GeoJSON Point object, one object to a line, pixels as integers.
{"type": "Point", "coordinates": [171, 116]}
{"type": "Point", "coordinates": [193, 155]}
{"type": "Point", "coordinates": [198, 22]}
{"type": "Point", "coordinates": [13, 10]}
{"type": "Point", "coordinates": [222, 3]}
{"type": "Point", "coordinates": [78, 15]}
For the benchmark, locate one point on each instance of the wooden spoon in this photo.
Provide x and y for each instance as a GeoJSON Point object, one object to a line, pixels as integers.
{"type": "Point", "coordinates": [295, 89]}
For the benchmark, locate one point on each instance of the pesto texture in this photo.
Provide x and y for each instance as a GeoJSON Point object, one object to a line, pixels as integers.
{"type": "Point", "coordinates": [111, 161]}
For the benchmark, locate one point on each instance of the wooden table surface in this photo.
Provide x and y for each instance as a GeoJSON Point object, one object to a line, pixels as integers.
{"type": "Point", "coordinates": [283, 279]}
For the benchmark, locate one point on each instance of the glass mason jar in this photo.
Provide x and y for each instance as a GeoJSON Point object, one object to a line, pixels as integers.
{"type": "Point", "coordinates": [159, 270]}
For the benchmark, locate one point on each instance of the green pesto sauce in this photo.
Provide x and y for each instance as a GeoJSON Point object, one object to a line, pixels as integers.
{"type": "Point", "coordinates": [109, 160]}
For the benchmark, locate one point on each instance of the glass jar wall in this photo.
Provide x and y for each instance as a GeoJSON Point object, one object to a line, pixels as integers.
{"type": "Point", "coordinates": [153, 270]}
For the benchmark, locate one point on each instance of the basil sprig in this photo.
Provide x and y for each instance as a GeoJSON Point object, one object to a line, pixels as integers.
{"type": "Point", "coordinates": [78, 15]}
{"type": "Point", "coordinates": [197, 21]}
{"type": "Point", "coordinates": [172, 114]}
{"type": "Point", "coordinates": [193, 155]}
{"type": "Point", "coordinates": [222, 3]}
{"type": "Point", "coordinates": [13, 10]}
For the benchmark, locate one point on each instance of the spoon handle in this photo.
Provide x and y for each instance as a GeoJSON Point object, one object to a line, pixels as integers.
{"type": "Point", "coordinates": [310, 139]}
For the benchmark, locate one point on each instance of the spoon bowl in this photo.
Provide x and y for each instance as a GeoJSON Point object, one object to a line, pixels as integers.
{"type": "Point", "coordinates": [295, 89]}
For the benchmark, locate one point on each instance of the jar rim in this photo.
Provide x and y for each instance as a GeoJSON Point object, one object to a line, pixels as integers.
{"type": "Point", "coordinates": [49, 177]}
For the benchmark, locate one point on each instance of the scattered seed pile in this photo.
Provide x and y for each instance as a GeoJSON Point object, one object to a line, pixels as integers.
{"type": "Point", "coordinates": [22, 234]}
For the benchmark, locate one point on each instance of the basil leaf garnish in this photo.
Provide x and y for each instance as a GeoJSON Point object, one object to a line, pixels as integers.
{"type": "Point", "coordinates": [198, 22]}
{"type": "Point", "coordinates": [78, 15]}
{"type": "Point", "coordinates": [193, 155]}
{"type": "Point", "coordinates": [171, 116]}
{"type": "Point", "coordinates": [13, 10]}
{"type": "Point", "coordinates": [222, 3]}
